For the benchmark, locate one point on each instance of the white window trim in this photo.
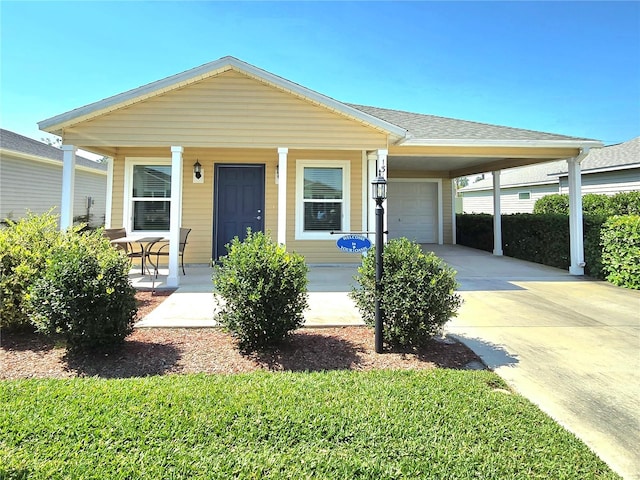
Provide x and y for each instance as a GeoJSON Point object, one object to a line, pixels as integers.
{"type": "Point", "coordinates": [524, 199]}
{"type": "Point", "coordinates": [127, 208]}
{"type": "Point", "coordinates": [346, 197]}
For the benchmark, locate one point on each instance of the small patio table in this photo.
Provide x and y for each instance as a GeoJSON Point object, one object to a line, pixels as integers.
{"type": "Point", "coordinates": [145, 243]}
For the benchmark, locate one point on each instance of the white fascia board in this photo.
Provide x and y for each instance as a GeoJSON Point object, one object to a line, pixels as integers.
{"type": "Point", "coordinates": [135, 95]}
{"type": "Point", "coordinates": [49, 161]}
{"type": "Point", "coordinates": [320, 99]}
{"type": "Point", "coordinates": [199, 73]}
{"type": "Point", "coordinates": [448, 142]}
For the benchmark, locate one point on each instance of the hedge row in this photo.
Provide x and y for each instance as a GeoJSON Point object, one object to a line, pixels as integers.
{"type": "Point", "coordinates": [623, 203]}
{"type": "Point", "coordinates": [536, 238]}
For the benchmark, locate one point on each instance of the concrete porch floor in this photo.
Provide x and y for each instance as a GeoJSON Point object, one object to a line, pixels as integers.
{"type": "Point", "coordinates": [193, 304]}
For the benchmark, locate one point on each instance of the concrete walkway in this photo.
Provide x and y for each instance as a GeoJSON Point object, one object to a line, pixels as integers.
{"type": "Point", "coordinates": [569, 344]}
{"type": "Point", "coordinates": [193, 304]}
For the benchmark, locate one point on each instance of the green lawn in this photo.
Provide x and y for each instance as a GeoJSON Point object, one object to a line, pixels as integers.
{"type": "Point", "coordinates": [343, 425]}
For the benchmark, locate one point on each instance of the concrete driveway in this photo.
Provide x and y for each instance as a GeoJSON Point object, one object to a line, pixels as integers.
{"type": "Point", "coordinates": [569, 344]}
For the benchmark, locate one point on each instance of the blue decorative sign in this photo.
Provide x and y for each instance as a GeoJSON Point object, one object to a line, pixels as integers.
{"type": "Point", "coordinates": [353, 244]}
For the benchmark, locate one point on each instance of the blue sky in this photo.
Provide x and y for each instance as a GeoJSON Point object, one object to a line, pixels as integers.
{"type": "Point", "coordinates": [565, 67]}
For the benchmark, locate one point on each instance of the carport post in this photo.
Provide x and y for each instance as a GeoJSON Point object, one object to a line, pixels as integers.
{"type": "Point", "coordinates": [497, 217]}
{"type": "Point", "coordinates": [576, 233]}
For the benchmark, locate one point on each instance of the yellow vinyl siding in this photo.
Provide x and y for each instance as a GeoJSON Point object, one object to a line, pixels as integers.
{"type": "Point", "coordinates": [230, 110]}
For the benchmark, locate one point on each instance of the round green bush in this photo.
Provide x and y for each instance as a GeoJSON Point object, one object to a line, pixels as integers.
{"type": "Point", "coordinates": [264, 289]}
{"type": "Point", "coordinates": [621, 250]}
{"type": "Point", "coordinates": [85, 293]}
{"type": "Point", "coordinates": [418, 293]}
{"type": "Point", "coordinates": [553, 203]}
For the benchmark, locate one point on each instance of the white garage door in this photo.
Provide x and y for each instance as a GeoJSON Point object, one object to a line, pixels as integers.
{"type": "Point", "coordinates": [412, 211]}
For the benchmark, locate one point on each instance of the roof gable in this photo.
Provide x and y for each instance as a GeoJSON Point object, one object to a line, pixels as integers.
{"type": "Point", "coordinates": [59, 122]}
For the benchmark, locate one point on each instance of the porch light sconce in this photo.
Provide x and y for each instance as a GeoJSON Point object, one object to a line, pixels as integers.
{"type": "Point", "coordinates": [379, 193]}
{"type": "Point", "coordinates": [197, 170]}
{"type": "Point", "coordinates": [277, 174]}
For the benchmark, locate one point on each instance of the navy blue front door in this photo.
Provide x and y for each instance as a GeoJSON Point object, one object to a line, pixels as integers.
{"type": "Point", "coordinates": [238, 204]}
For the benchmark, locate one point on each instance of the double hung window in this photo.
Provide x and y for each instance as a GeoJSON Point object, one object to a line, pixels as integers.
{"type": "Point", "coordinates": [322, 199]}
{"type": "Point", "coordinates": [149, 196]}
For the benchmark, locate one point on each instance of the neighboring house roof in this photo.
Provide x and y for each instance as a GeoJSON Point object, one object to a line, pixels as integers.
{"type": "Point", "coordinates": [404, 128]}
{"type": "Point", "coordinates": [614, 157]}
{"type": "Point", "coordinates": [432, 127]}
{"type": "Point", "coordinates": [14, 142]}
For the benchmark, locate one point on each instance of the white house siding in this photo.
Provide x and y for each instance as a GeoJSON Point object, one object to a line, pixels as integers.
{"type": "Point", "coordinates": [37, 186]}
{"type": "Point", "coordinates": [609, 183]}
{"type": "Point", "coordinates": [482, 201]}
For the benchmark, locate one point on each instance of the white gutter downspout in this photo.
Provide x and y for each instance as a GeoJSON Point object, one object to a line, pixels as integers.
{"type": "Point", "coordinates": [576, 234]}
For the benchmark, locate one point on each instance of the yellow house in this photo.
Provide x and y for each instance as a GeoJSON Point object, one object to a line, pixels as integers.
{"type": "Point", "coordinates": [276, 156]}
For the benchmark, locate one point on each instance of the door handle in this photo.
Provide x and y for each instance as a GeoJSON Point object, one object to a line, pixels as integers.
{"type": "Point", "coordinates": [259, 217]}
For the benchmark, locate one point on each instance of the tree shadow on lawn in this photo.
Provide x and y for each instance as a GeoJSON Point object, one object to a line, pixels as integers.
{"type": "Point", "coordinates": [310, 352]}
{"type": "Point", "coordinates": [132, 359]}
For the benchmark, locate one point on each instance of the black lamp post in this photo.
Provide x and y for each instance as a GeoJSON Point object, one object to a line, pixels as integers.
{"type": "Point", "coordinates": [379, 193]}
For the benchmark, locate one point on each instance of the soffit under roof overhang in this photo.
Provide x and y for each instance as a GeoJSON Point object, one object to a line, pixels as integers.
{"type": "Point", "coordinates": [458, 161]}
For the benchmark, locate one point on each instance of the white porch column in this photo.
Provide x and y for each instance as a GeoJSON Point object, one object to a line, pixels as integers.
{"type": "Point", "coordinates": [173, 279]}
{"type": "Point", "coordinates": [109, 197]}
{"type": "Point", "coordinates": [576, 235]}
{"type": "Point", "coordinates": [497, 217]}
{"type": "Point", "coordinates": [282, 195]}
{"type": "Point", "coordinates": [384, 171]}
{"type": "Point", "coordinates": [454, 239]}
{"type": "Point", "coordinates": [68, 185]}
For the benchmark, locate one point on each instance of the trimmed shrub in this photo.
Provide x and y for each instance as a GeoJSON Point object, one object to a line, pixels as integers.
{"type": "Point", "coordinates": [625, 203]}
{"type": "Point", "coordinates": [264, 288]}
{"type": "Point", "coordinates": [85, 293]}
{"type": "Point", "coordinates": [621, 251]}
{"type": "Point", "coordinates": [537, 238]}
{"type": "Point", "coordinates": [554, 203]}
{"type": "Point", "coordinates": [475, 231]}
{"type": "Point", "coordinates": [596, 204]}
{"type": "Point", "coordinates": [417, 297]}
{"type": "Point", "coordinates": [24, 248]}
{"type": "Point", "coordinates": [592, 226]}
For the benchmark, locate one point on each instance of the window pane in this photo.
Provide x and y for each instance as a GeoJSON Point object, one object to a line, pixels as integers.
{"type": "Point", "coordinates": [323, 183]}
{"type": "Point", "coordinates": [151, 215]}
{"type": "Point", "coordinates": [152, 181]}
{"type": "Point", "coordinates": [324, 216]}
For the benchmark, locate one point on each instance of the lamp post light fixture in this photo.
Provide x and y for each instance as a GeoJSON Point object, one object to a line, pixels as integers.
{"type": "Point", "coordinates": [379, 193]}
{"type": "Point", "coordinates": [197, 170]}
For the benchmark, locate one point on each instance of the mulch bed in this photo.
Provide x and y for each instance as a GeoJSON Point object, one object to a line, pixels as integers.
{"type": "Point", "coordinates": [162, 351]}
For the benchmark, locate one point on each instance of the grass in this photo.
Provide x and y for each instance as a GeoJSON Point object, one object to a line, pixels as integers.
{"type": "Point", "coordinates": [338, 425]}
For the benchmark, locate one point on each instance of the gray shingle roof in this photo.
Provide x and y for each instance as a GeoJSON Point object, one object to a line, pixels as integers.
{"type": "Point", "coordinates": [441, 128]}
{"type": "Point", "coordinates": [621, 154]}
{"type": "Point", "coordinates": [18, 143]}
{"type": "Point", "coordinates": [625, 154]}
